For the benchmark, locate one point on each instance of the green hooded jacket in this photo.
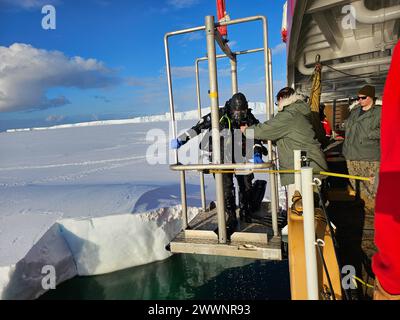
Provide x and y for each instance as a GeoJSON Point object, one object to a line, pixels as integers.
{"type": "Point", "coordinates": [363, 136]}
{"type": "Point", "coordinates": [291, 129]}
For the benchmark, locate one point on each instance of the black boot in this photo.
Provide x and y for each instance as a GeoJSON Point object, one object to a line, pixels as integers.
{"type": "Point", "coordinates": [245, 187]}
{"type": "Point", "coordinates": [230, 205]}
{"type": "Point", "coordinates": [244, 207]}
{"type": "Point", "coordinates": [230, 209]}
{"type": "Point", "coordinates": [245, 215]}
{"type": "Point", "coordinates": [231, 224]}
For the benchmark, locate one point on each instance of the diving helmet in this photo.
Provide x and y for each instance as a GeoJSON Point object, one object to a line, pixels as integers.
{"type": "Point", "coordinates": [238, 108]}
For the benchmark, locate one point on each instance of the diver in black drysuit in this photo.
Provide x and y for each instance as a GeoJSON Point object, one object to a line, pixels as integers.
{"type": "Point", "coordinates": [234, 115]}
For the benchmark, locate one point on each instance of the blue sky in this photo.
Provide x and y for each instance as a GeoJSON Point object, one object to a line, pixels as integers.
{"type": "Point", "coordinates": [105, 59]}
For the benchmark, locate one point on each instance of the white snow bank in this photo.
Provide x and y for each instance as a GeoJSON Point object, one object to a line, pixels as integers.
{"type": "Point", "coordinates": [24, 279]}
{"type": "Point", "coordinates": [16, 244]}
{"type": "Point", "coordinates": [257, 107]}
{"type": "Point", "coordinates": [92, 246]}
{"type": "Point", "coordinates": [106, 244]}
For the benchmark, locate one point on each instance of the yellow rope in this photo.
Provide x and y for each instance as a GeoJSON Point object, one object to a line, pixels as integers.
{"type": "Point", "coordinates": [355, 279]}
{"type": "Point", "coordinates": [323, 173]}
{"type": "Point", "coordinates": [253, 171]}
{"type": "Point", "coordinates": [331, 174]}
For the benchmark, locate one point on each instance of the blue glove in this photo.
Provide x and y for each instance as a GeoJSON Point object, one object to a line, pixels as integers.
{"type": "Point", "coordinates": [176, 144]}
{"type": "Point", "coordinates": [258, 158]}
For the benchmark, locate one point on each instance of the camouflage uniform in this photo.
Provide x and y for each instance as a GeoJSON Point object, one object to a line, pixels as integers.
{"type": "Point", "coordinates": [362, 152]}
{"type": "Point", "coordinates": [365, 190]}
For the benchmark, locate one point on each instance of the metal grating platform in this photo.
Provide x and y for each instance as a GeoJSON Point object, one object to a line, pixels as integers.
{"type": "Point", "coordinates": [251, 240]}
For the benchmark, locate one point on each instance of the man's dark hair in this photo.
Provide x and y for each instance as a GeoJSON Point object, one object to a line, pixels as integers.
{"type": "Point", "coordinates": [285, 93]}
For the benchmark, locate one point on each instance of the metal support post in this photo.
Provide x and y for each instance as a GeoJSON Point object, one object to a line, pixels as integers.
{"type": "Point", "coordinates": [174, 133]}
{"type": "Point", "coordinates": [309, 233]}
{"type": "Point", "coordinates": [274, 182]}
{"type": "Point", "coordinates": [216, 142]}
{"type": "Point", "coordinates": [202, 185]}
{"type": "Point", "coordinates": [297, 167]}
{"type": "Point", "coordinates": [234, 75]}
{"type": "Point", "coordinates": [270, 114]}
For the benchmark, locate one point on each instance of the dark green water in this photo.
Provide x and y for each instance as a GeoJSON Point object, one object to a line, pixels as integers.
{"type": "Point", "coordinates": [185, 277]}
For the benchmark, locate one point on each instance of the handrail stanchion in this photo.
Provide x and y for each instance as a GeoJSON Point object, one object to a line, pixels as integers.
{"type": "Point", "coordinates": [185, 223]}
{"type": "Point", "coordinates": [309, 233]}
{"type": "Point", "coordinates": [297, 167]}
{"type": "Point", "coordinates": [234, 76]}
{"type": "Point", "coordinates": [270, 107]}
{"type": "Point", "coordinates": [174, 133]}
{"type": "Point", "coordinates": [270, 114]}
{"type": "Point", "coordinates": [202, 185]}
{"type": "Point", "coordinates": [216, 142]}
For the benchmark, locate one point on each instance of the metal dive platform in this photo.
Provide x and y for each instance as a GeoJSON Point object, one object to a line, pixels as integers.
{"type": "Point", "coordinates": [254, 240]}
{"type": "Point", "coordinates": [207, 233]}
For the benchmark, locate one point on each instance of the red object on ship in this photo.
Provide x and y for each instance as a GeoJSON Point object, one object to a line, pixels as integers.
{"type": "Point", "coordinates": [284, 35]}
{"type": "Point", "coordinates": [221, 11]}
{"type": "Point", "coordinates": [386, 263]}
{"type": "Point", "coordinates": [291, 5]}
{"type": "Point", "coordinates": [327, 128]}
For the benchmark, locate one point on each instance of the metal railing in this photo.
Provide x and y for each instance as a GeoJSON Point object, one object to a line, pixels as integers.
{"type": "Point", "coordinates": [234, 90]}
{"type": "Point", "coordinates": [213, 36]}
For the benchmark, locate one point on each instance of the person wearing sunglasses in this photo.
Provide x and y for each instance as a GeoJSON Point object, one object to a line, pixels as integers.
{"type": "Point", "coordinates": [362, 151]}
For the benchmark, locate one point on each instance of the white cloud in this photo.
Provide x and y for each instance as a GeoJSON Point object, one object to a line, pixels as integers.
{"type": "Point", "coordinates": [26, 73]}
{"type": "Point", "coordinates": [278, 49]}
{"type": "Point", "coordinates": [181, 4]}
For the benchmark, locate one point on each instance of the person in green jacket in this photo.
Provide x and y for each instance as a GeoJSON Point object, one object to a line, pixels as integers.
{"type": "Point", "coordinates": [291, 129]}
{"type": "Point", "coordinates": [362, 151]}
{"type": "Point", "coordinates": [361, 147]}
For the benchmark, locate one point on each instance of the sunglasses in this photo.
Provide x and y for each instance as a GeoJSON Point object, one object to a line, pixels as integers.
{"type": "Point", "coordinates": [362, 98]}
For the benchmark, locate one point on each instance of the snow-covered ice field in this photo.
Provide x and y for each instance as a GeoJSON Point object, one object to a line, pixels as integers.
{"type": "Point", "coordinates": [85, 200]}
